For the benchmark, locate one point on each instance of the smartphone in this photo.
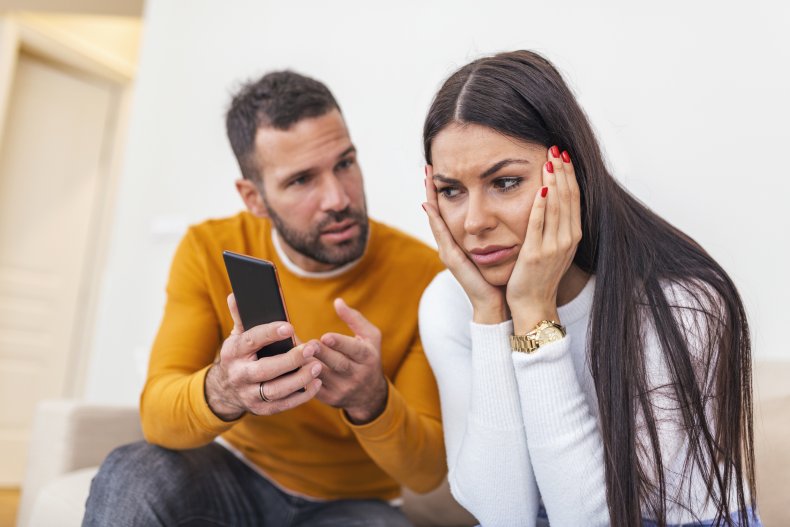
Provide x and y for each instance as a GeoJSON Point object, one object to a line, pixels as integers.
{"type": "Point", "coordinates": [258, 296]}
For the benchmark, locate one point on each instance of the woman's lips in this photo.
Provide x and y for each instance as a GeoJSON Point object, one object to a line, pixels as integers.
{"type": "Point", "coordinates": [492, 255]}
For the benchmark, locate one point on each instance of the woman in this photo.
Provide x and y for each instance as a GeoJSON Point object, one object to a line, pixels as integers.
{"type": "Point", "coordinates": [589, 355]}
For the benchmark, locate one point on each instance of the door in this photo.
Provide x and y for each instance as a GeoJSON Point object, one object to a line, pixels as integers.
{"type": "Point", "coordinates": [57, 138]}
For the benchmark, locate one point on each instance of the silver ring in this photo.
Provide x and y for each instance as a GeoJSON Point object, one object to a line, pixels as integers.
{"type": "Point", "coordinates": [263, 397]}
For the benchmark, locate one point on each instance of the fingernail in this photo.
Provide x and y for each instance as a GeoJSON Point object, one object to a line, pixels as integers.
{"type": "Point", "coordinates": [555, 151]}
{"type": "Point", "coordinates": [309, 351]}
{"type": "Point", "coordinates": [329, 341]}
{"type": "Point", "coordinates": [424, 207]}
{"type": "Point", "coordinates": [549, 167]}
{"type": "Point", "coordinates": [544, 191]}
{"type": "Point", "coordinates": [566, 156]}
{"type": "Point", "coordinates": [426, 171]}
{"type": "Point", "coordinates": [283, 331]}
{"type": "Point", "coordinates": [316, 369]}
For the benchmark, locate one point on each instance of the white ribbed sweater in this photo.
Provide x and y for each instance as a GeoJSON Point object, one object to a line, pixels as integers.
{"type": "Point", "coordinates": [515, 423]}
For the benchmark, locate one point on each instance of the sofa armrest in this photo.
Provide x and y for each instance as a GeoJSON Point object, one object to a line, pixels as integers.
{"type": "Point", "coordinates": [68, 435]}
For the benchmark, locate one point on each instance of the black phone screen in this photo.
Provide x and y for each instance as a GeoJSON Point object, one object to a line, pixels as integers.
{"type": "Point", "coordinates": [258, 296]}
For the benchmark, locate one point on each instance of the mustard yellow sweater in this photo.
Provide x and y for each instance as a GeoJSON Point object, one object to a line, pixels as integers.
{"type": "Point", "coordinates": [311, 450]}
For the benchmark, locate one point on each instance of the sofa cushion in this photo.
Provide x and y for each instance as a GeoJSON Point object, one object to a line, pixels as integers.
{"type": "Point", "coordinates": [62, 501]}
{"type": "Point", "coordinates": [772, 457]}
{"type": "Point", "coordinates": [437, 508]}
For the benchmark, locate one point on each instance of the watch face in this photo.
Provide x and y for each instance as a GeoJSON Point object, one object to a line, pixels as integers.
{"type": "Point", "coordinates": [550, 334]}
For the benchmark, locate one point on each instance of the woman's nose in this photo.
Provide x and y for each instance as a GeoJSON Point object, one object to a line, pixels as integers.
{"type": "Point", "coordinates": [478, 216]}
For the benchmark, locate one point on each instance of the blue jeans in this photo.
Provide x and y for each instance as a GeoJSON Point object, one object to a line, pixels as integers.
{"type": "Point", "coordinates": [145, 485]}
{"type": "Point", "coordinates": [754, 521]}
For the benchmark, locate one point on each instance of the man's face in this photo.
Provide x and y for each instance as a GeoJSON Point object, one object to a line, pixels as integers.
{"type": "Point", "coordinates": [312, 190]}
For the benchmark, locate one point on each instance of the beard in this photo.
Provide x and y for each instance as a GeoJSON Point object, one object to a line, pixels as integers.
{"type": "Point", "coordinates": [308, 243]}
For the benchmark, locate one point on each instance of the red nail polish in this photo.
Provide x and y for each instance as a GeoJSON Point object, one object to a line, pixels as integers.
{"type": "Point", "coordinates": [555, 151]}
{"type": "Point", "coordinates": [544, 191]}
{"type": "Point", "coordinates": [549, 167]}
{"type": "Point", "coordinates": [566, 156]}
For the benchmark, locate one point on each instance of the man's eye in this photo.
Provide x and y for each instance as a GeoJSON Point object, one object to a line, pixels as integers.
{"type": "Point", "coordinates": [301, 180]}
{"type": "Point", "coordinates": [344, 164]}
{"type": "Point", "coordinates": [507, 183]}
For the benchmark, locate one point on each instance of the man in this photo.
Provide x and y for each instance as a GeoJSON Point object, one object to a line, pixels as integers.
{"type": "Point", "coordinates": [367, 420]}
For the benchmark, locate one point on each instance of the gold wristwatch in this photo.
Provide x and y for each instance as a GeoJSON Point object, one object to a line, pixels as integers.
{"type": "Point", "coordinates": [545, 332]}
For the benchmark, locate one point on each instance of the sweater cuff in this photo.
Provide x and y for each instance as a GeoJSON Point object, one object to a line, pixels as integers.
{"type": "Point", "coordinates": [383, 426]}
{"type": "Point", "coordinates": [204, 416]}
{"type": "Point", "coordinates": [551, 388]}
{"type": "Point", "coordinates": [494, 401]}
{"type": "Point", "coordinates": [553, 352]}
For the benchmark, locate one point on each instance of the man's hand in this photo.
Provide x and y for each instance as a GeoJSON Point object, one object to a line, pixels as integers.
{"type": "Point", "coordinates": [235, 383]}
{"type": "Point", "coordinates": [352, 376]}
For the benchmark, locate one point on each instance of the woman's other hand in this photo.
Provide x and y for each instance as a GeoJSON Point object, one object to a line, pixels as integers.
{"type": "Point", "coordinates": [553, 233]}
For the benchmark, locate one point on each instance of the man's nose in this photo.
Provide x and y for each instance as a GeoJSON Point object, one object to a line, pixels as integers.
{"type": "Point", "coordinates": [478, 216]}
{"type": "Point", "coordinates": [333, 194]}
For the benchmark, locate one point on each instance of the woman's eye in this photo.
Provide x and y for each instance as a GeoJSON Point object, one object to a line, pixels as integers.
{"type": "Point", "coordinates": [448, 192]}
{"type": "Point", "coordinates": [507, 183]}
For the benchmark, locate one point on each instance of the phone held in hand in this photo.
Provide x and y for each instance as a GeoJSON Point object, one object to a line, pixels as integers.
{"type": "Point", "coordinates": [258, 296]}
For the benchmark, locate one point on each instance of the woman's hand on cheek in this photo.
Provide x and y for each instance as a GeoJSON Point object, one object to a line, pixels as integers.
{"type": "Point", "coordinates": [488, 301]}
{"type": "Point", "coordinates": [553, 233]}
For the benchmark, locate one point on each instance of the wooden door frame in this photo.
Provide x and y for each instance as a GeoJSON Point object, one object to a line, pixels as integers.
{"type": "Point", "coordinates": [24, 34]}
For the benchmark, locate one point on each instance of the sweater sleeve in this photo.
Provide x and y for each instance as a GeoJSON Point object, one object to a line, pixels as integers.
{"type": "Point", "coordinates": [487, 457]}
{"type": "Point", "coordinates": [173, 407]}
{"type": "Point", "coordinates": [406, 439]}
{"type": "Point", "coordinates": [563, 438]}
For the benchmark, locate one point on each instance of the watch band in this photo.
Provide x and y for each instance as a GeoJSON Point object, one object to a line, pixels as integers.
{"type": "Point", "coordinates": [523, 343]}
{"type": "Point", "coordinates": [545, 332]}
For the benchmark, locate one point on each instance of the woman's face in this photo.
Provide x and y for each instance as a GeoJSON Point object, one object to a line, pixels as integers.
{"type": "Point", "coordinates": [486, 185]}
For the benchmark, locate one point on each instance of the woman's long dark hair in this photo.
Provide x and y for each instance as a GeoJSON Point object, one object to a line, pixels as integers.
{"type": "Point", "coordinates": [636, 257]}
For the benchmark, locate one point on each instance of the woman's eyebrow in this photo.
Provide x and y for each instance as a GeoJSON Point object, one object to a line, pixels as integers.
{"type": "Point", "coordinates": [493, 169]}
{"type": "Point", "coordinates": [444, 179]}
{"type": "Point", "coordinates": [496, 167]}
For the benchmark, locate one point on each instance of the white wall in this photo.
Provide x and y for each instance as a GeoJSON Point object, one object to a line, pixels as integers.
{"type": "Point", "coordinates": [690, 101]}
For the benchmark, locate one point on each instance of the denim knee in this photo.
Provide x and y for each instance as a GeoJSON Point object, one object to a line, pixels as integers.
{"type": "Point", "coordinates": [133, 483]}
{"type": "Point", "coordinates": [142, 465]}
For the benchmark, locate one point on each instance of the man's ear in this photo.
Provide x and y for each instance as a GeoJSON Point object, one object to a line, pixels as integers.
{"type": "Point", "coordinates": [251, 197]}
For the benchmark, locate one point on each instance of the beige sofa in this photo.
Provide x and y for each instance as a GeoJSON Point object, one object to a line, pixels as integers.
{"type": "Point", "coordinates": [71, 438]}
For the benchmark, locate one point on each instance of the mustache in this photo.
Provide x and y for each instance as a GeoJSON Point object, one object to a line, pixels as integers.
{"type": "Point", "coordinates": [336, 216]}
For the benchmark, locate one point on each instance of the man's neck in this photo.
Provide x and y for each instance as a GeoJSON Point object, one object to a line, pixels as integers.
{"type": "Point", "coordinates": [305, 266]}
